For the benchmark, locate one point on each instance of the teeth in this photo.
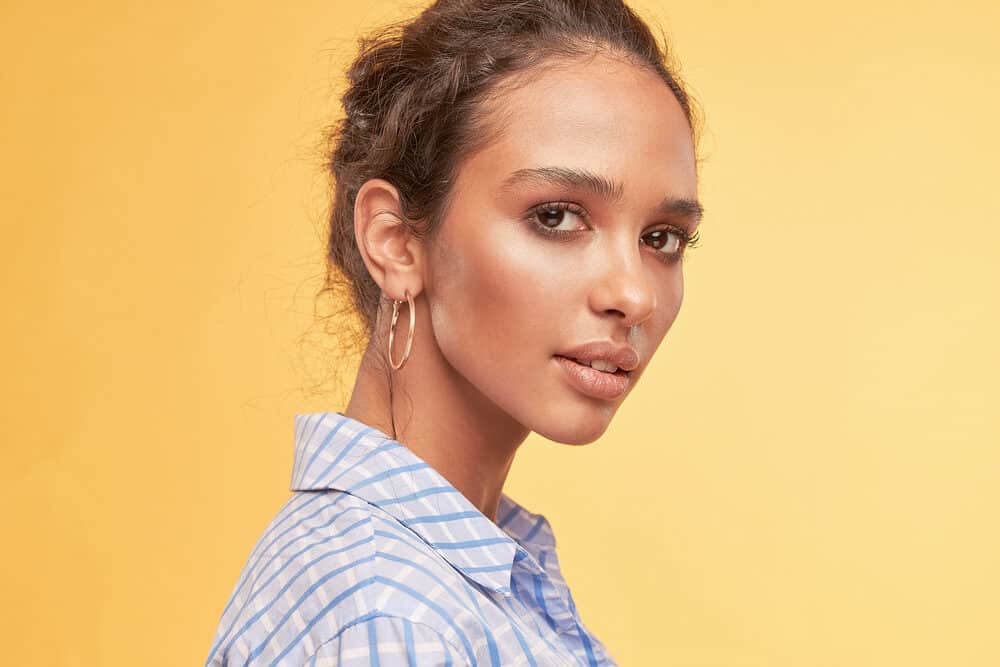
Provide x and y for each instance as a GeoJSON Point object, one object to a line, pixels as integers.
{"type": "Point", "coordinates": [603, 366]}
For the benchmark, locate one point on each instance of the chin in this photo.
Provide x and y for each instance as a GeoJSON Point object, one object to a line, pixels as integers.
{"type": "Point", "coordinates": [574, 427]}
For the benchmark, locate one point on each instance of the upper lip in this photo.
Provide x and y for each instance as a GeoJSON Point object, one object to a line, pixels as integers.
{"type": "Point", "coordinates": [622, 356]}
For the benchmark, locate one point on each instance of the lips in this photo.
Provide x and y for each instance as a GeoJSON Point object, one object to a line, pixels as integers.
{"type": "Point", "coordinates": [622, 356]}
{"type": "Point", "coordinates": [621, 372]}
{"type": "Point", "coordinates": [592, 382]}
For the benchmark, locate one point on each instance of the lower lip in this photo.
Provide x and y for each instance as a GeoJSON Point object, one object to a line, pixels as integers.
{"type": "Point", "coordinates": [592, 382]}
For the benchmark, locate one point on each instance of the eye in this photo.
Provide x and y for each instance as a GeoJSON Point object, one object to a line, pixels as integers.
{"type": "Point", "coordinates": [669, 243]}
{"type": "Point", "coordinates": [665, 238]}
{"type": "Point", "coordinates": [676, 241]}
{"type": "Point", "coordinates": [548, 218]}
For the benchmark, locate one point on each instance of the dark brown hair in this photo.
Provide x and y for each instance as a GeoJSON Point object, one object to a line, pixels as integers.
{"type": "Point", "coordinates": [419, 101]}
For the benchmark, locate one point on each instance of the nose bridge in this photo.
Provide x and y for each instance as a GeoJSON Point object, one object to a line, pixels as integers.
{"type": "Point", "coordinates": [623, 285]}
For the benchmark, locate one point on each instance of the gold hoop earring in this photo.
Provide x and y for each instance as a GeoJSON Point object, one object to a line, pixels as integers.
{"type": "Point", "coordinates": [409, 335]}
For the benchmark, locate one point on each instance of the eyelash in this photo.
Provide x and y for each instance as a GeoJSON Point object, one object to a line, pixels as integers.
{"type": "Point", "coordinates": [686, 240]}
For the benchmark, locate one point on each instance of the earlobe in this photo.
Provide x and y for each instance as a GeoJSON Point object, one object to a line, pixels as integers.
{"type": "Point", "coordinates": [385, 240]}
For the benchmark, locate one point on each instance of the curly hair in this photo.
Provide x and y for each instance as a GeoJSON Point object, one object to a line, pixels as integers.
{"type": "Point", "coordinates": [421, 98]}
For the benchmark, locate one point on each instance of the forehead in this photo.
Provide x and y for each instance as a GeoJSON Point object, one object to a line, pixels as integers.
{"type": "Point", "coordinates": [602, 114]}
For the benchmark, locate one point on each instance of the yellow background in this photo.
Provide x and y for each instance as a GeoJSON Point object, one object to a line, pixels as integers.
{"type": "Point", "coordinates": [809, 473]}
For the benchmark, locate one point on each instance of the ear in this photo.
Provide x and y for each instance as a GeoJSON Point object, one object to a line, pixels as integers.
{"type": "Point", "coordinates": [394, 257]}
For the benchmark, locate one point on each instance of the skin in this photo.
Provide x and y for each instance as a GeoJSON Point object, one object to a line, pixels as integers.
{"type": "Point", "coordinates": [495, 299]}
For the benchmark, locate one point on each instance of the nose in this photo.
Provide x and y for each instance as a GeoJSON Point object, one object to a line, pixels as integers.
{"type": "Point", "coordinates": [624, 288]}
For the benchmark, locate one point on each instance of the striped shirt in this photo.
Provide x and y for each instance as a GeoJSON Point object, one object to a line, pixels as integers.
{"type": "Point", "coordinates": [377, 560]}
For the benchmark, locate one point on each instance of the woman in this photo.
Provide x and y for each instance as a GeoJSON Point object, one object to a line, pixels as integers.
{"type": "Point", "coordinates": [515, 190]}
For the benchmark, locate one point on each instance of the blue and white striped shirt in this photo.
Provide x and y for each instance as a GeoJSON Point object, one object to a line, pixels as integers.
{"type": "Point", "coordinates": [377, 560]}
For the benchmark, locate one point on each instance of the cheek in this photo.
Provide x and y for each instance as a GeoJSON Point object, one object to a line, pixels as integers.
{"type": "Point", "coordinates": [498, 294]}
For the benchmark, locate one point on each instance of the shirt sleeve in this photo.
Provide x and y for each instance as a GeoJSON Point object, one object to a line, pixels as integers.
{"type": "Point", "coordinates": [388, 641]}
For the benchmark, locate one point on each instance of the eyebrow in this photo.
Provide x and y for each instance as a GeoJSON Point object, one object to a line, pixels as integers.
{"type": "Point", "coordinates": [603, 187]}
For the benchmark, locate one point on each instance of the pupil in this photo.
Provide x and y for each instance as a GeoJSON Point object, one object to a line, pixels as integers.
{"type": "Point", "coordinates": [552, 215]}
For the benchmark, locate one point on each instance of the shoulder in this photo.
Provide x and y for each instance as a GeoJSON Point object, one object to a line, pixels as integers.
{"type": "Point", "coordinates": [332, 572]}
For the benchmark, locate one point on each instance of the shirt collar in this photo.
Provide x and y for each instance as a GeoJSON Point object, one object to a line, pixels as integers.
{"type": "Point", "coordinates": [334, 451]}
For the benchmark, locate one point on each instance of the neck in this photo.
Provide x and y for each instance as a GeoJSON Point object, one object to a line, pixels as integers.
{"type": "Point", "coordinates": [441, 418]}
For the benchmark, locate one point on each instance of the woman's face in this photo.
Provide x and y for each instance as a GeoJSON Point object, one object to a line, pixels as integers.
{"type": "Point", "coordinates": [507, 296]}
